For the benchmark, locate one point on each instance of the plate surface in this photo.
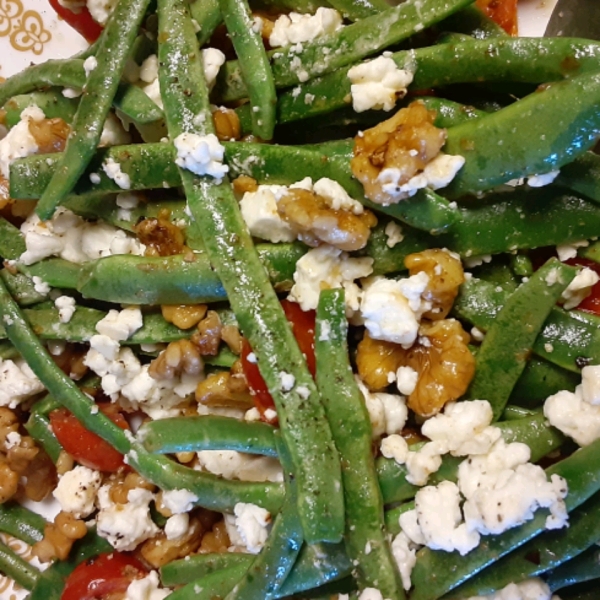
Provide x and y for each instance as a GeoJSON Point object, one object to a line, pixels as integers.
{"type": "Point", "coordinates": [31, 32]}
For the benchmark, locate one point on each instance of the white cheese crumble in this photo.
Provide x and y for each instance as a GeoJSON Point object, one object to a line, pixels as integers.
{"type": "Point", "coordinates": [40, 286]}
{"type": "Point", "coordinates": [542, 179]}
{"type": "Point", "coordinates": [17, 382]}
{"type": "Point", "coordinates": [66, 308]}
{"type": "Point", "coordinates": [125, 525]}
{"type": "Point", "coordinates": [176, 526]}
{"type": "Point", "coordinates": [387, 412]}
{"type": "Point", "coordinates": [201, 154]}
{"type": "Point", "coordinates": [70, 237]}
{"type": "Point", "coordinates": [394, 234]}
{"type": "Point", "coordinates": [529, 589]}
{"type": "Point", "coordinates": [392, 308]}
{"type": "Point", "coordinates": [179, 501]}
{"type": "Point", "coordinates": [579, 288]}
{"type": "Point", "coordinates": [405, 555]}
{"type": "Point", "coordinates": [249, 526]}
{"type": "Point", "coordinates": [12, 440]}
{"type": "Point", "coordinates": [76, 491]}
{"type": "Point", "coordinates": [406, 380]}
{"type": "Point", "coordinates": [113, 132]}
{"type": "Point", "coordinates": [19, 142]}
{"type": "Point", "coordinates": [231, 464]}
{"type": "Point", "coordinates": [113, 171]}
{"type": "Point", "coordinates": [212, 60]}
{"type": "Point", "coordinates": [295, 28]}
{"type": "Point", "coordinates": [378, 84]}
{"type": "Point", "coordinates": [120, 325]}
{"type": "Point", "coordinates": [437, 174]}
{"type": "Point", "coordinates": [567, 251]}
{"type": "Point", "coordinates": [146, 588]}
{"type": "Point", "coordinates": [89, 64]}
{"type": "Point", "coordinates": [327, 267]}
{"type": "Point", "coordinates": [101, 9]}
{"type": "Point", "coordinates": [577, 414]}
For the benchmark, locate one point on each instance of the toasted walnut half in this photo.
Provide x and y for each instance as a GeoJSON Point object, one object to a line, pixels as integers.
{"type": "Point", "coordinates": [444, 363]}
{"type": "Point", "coordinates": [179, 357]}
{"type": "Point", "coordinates": [160, 236]}
{"type": "Point", "coordinates": [406, 143]}
{"type": "Point", "coordinates": [50, 134]}
{"type": "Point", "coordinates": [446, 275]}
{"type": "Point", "coordinates": [316, 222]}
{"type": "Point", "coordinates": [375, 360]}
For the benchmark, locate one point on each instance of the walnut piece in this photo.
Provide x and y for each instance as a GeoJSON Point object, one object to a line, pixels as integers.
{"type": "Point", "coordinates": [445, 274]}
{"type": "Point", "coordinates": [406, 142]}
{"type": "Point", "coordinates": [184, 316]}
{"type": "Point", "coordinates": [179, 357]}
{"type": "Point", "coordinates": [316, 222]}
{"type": "Point", "coordinates": [375, 359]}
{"type": "Point", "coordinates": [160, 236]}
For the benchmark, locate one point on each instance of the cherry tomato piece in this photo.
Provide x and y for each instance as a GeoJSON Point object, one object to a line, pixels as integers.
{"type": "Point", "coordinates": [303, 327]}
{"type": "Point", "coordinates": [86, 447]}
{"type": "Point", "coordinates": [504, 12]}
{"type": "Point", "coordinates": [81, 21]}
{"type": "Point", "coordinates": [106, 575]}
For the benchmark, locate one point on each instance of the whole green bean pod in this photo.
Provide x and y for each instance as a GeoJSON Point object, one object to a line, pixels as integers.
{"type": "Point", "coordinates": [503, 354]}
{"type": "Point", "coordinates": [17, 568]}
{"type": "Point", "coordinates": [22, 523]}
{"type": "Point", "coordinates": [366, 541]}
{"type": "Point", "coordinates": [116, 42]}
{"type": "Point", "coordinates": [582, 568]}
{"type": "Point", "coordinates": [253, 300]}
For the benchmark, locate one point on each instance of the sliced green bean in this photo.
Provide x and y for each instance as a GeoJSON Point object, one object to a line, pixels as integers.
{"type": "Point", "coordinates": [359, 9]}
{"type": "Point", "coordinates": [473, 22]}
{"type": "Point", "coordinates": [253, 300]}
{"type": "Point", "coordinates": [539, 555]}
{"type": "Point", "coordinates": [211, 432]}
{"type": "Point", "coordinates": [22, 288]}
{"type": "Point", "coordinates": [12, 244]}
{"type": "Point", "coordinates": [56, 272]}
{"type": "Point", "coordinates": [366, 542]}
{"type": "Point", "coordinates": [254, 65]}
{"type": "Point", "coordinates": [116, 42]}
{"type": "Point", "coordinates": [582, 176]}
{"type": "Point", "coordinates": [503, 353]}
{"type": "Point", "coordinates": [51, 102]}
{"type": "Point", "coordinates": [436, 573]}
{"type": "Point", "coordinates": [584, 567]}
{"type": "Point", "coordinates": [38, 427]}
{"type": "Point", "coordinates": [22, 523]}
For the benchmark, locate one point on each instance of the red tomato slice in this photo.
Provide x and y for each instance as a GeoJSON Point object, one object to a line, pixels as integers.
{"type": "Point", "coordinates": [504, 12]}
{"type": "Point", "coordinates": [591, 304]}
{"type": "Point", "coordinates": [81, 22]}
{"type": "Point", "coordinates": [303, 326]}
{"type": "Point", "coordinates": [84, 446]}
{"type": "Point", "coordinates": [101, 576]}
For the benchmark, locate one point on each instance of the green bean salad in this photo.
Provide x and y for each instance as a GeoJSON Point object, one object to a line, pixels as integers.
{"type": "Point", "coordinates": [300, 299]}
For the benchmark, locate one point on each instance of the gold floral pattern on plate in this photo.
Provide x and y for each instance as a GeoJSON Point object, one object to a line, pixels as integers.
{"type": "Point", "coordinates": [25, 28]}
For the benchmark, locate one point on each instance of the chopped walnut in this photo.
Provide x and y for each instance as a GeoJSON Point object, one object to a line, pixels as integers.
{"type": "Point", "coordinates": [40, 477]}
{"type": "Point", "coordinates": [216, 540]}
{"type": "Point", "coordinates": [227, 124]}
{"type": "Point", "coordinates": [316, 222]}
{"type": "Point", "coordinates": [159, 550]}
{"type": "Point", "coordinates": [231, 335]}
{"type": "Point", "coordinates": [208, 337]}
{"type": "Point", "coordinates": [50, 134]}
{"type": "Point", "coordinates": [375, 359]}
{"type": "Point", "coordinates": [9, 482]}
{"type": "Point", "coordinates": [160, 236]}
{"type": "Point", "coordinates": [406, 142]}
{"type": "Point", "coordinates": [64, 463]}
{"type": "Point", "coordinates": [243, 184]}
{"type": "Point", "coordinates": [21, 454]}
{"type": "Point", "coordinates": [219, 389]}
{"type": "Point", "coordinates": [122, 483]}
{"type": "Point", "coordinates": [444, 363]}
{"type": "Point", "coordinates": [71, 361]}
{"type": "Point", "coordinates": [179, 357]}
{"type": "Point", "coordinates": [184, 316]}
{"type": "Point", "coordinates": [59, 537]}
{"type": "Point", "coordinates": [445, 274]}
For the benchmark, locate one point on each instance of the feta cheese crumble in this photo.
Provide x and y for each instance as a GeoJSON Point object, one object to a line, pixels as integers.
{"type": "Point", "coordinates": [19, 142]}
{"type": "Point", "coordinates": [201, 154]}
{"type": "Point", "coordinates": [113, 171]}
{"type": "Point", "coordinates": [17, 382]}
{"type": "Point", "coordinates": [101, 9]}
{"type": "Point", "coordinates": [146, 588]}
{"type": "Point", "coordinates": [66, 308]}
{"type": "Point", "coordinates": [296, 28]}
{"type": "Point", "coordinates": [249, 526]}
{"type": "Point", "coordinates": [377, 84]}
{"type": "Point", "coordinates": [76, 491]}
{"type": "Point", "coordinates": [212, 60]}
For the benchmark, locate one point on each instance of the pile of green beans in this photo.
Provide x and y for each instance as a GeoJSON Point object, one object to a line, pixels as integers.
{"type": "Point", "coordinates": [531, 108]}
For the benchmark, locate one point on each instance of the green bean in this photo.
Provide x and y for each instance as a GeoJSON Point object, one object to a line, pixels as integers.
{"type": "Point", "coordinates": [17, 568]}
{"type": "Point", "coordinates": [450, 114]}
{"type": "Point", "coordinates": [116, 41]}
{"type": "Point", "coordinates": [52, 103]}
{"type": "Point", "coordinates": [253, 300]}
{"type": "Point", "coordinates": [582, 176]}
{"type": "Point", "coordinates": [539, 555]}
{"type": "Point", "coordinates": [450, 569]}
{"type": "Point", "coordinates": [300, 6]}
{"type": "Point", "coordinates": [582, 568]}
{"type": "Point", "coordinates": [392, 517]}
{"type": "Point", "coordinates": [191, 434]}
{"type": "Point", "coordinates": [8, 351]}
{"type": "Point", "coordinates": [366, 542]}
{"type": "Point", "coordinates": [571, 105]}
{"type": "Point", "coordinates": [345, 46]}
{"type": "Point", "coordinates": [174, 279]}
{"type": "Point", "coordinates": [22, 523]}
{"type": "Point", "coordinates": [12, 244]}
{"type": "Point", "coordinates": [473, 22]}
{"type": "Point", "coordinates": [254, 65]}
{"type": "Point", "coordinates": [38, 427]}
{"type": "Point", "coordinates": [357, 9]}
{"type": "Point", "coordinates": [503, 353]}
{"type": "Point", "coordinates": [22, 288]}
{"type": "Point", "coordinates": [567, 338]}
{"type": "Point", "coordinates": [527, 60]}
{"type": "Point", "coordinates": [270, 569]}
